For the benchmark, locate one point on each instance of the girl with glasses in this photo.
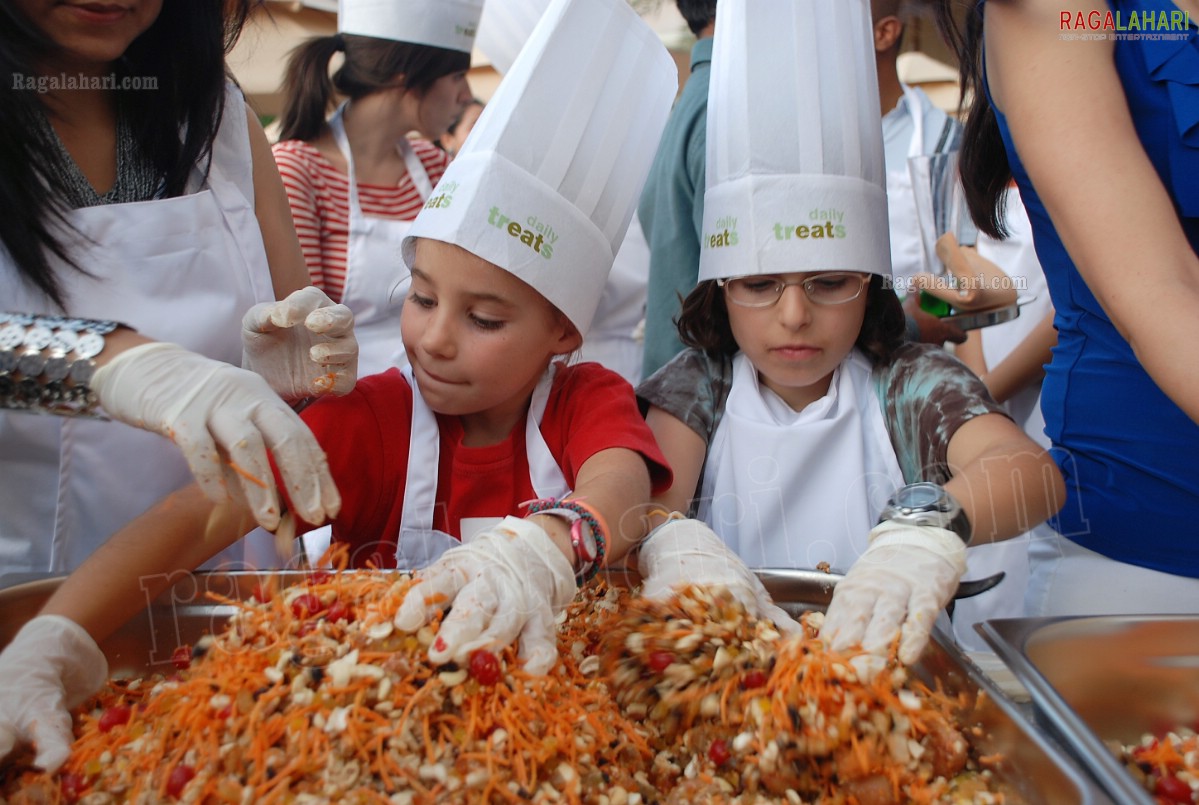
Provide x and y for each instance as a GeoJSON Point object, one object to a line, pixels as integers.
{"type": "Point", "coordinates": [799, 416]}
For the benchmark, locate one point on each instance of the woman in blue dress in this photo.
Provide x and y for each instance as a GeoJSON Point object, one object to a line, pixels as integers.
{"type": "Point", "coordinates": [1094, 111]}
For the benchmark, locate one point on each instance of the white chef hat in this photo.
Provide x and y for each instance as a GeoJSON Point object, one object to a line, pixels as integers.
{"type": "Point", "coordinates": [505, 27]}
{"type": "Point", "coordinates": [795, 173]}
{"type": "Point", "coordinates": [449, 24]}
{"type": "Point", "coordinates": [550, 176]}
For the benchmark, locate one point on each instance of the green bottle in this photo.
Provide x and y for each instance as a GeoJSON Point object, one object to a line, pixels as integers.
{"type": "Point", "coordinates": [933, 305]}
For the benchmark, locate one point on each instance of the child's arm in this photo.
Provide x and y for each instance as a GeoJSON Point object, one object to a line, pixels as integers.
{"type": "Point", "coordinates": [685, 451]}
{"type": "Point", "coordinates": [1006, 482]}
{"type": "Point", "coordinates": [616, 484]}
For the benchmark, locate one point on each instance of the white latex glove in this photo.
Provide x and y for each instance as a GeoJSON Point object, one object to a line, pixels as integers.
{"type": "Point", "coordinates": [897, 587]}
{"type": "Point", "coordinates": [682, 552]}
{"type": "Point", "coordinates": [50, 667]}
{"type": "Point", "coordinates": [202, 405]}
{"type": "Point", "coordinates": [509, 580]}
{"type": "Point", "coordinates": [320, 357]}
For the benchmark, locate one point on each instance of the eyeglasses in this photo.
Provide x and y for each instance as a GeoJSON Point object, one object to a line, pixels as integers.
{"type": "Point", "coordinates": [764, 290]}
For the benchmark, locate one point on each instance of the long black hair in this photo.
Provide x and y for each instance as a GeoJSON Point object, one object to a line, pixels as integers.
{"type": "Point", "coordinates": [704, 321]}
{"type": "Point", "coordinates": [182, 52]}
{"type": "Point", "coordinates": [370, 65]}
{"type": "Point", "coordinates": [983, 160]}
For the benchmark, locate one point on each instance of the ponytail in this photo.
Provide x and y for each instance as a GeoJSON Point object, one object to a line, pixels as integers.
{"type": "Point", "coordinates": [308, 91]}
{"type": "Point", "coordinates": [370, 65]}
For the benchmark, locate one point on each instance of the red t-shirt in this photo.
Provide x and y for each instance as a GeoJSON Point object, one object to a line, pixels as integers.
{"type": "Point", "coordinates": [365, 435]}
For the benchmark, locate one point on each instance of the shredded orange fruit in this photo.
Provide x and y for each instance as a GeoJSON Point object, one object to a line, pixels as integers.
{"type": "Point", "coordinates": [313, 696]}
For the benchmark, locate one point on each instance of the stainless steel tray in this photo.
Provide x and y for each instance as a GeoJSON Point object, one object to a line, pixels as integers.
{"type": "Point", "coordinates": [1032, 764]}
{"type": "Point", "coordinates": [1104, 678]}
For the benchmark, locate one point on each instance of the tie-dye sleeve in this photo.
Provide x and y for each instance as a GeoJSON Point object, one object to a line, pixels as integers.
{"type": "Point", "coordinates": [926, 395]}
{"type": "Point", "coordinates": [692, 388]}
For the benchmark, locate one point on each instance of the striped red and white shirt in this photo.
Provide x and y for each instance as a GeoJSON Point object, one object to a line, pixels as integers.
{"type": "Point", "coordinates": [319, 197]}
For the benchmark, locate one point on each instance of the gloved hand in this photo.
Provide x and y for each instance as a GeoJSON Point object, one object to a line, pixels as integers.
{"type": "Point", "coordinates": [320, 357]}
{"type": "Point", "coordinates": [51, 666]}
{"type": "Point", "coordinates": [201, 404]}
{"type": "Point", "coordinates": [897, 587]}
{"type": "Point", "coordinates": [688, 552]}
{"type": "Point", "coordinates": [509, 580]}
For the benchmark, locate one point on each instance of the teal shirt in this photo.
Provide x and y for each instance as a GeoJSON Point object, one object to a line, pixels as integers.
{"type": "Point", "coordinates": [671, 212]}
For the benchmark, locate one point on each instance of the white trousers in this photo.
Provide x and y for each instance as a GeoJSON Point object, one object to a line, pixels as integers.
{"type": "Point", "coordinates": [1068, 579]}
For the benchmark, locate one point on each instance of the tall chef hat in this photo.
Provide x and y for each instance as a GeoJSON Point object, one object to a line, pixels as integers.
{"type": "Point", "coordinates": [795, 174]}
{"type": "Point", "coordinates": [505, 27]}
{"type": "Point", "coordinates": [449, 24]}
{"type": "Point", "coordinates": [548, 179]}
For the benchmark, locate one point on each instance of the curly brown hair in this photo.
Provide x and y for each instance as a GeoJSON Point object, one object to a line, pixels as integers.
{"type": "Point", "coordinates": [704, 322]}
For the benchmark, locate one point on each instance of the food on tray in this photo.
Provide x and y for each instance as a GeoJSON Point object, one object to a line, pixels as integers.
{"type": "Point", "coordinates": [1168, 766]}
{"type": "Point", "coordinates": [310, 695]}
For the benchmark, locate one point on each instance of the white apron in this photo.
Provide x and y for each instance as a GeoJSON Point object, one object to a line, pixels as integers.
{"type": "Point", "coordinates": [419, 545]}
{"type": "Point", "coordinates": [907, 249]}
{"type": "Point", "coordinates": [793, 489]}
{"type": "Point", "coordinates": [376, 279]}
{"type": "Point", "coordinates": [182, 270]}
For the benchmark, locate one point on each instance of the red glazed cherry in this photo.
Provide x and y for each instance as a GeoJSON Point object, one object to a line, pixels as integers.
{"type": "Point", "coordinates": [754, 679]}
{"type": "Point", "coordinates": [72, 785]}
{"type": "Point", "coordinates": [485, 667]}
{"type": "Point", "coordinates": [181, 657]}
{"type": "Point", "coordinates": [719, 752]}
{"type": "Point", "coordinates": [180, 776]}
{"type": "Point", "coordinates": [340, 611]}
{"type": "Point", "coordinates": [658, 661]}
{"type": "Point", "coordinates": [114, 716]}
{"type": "Point", "coordinates": [306, 605]}
{"type": "Point", "coordinates": [1171, 789]}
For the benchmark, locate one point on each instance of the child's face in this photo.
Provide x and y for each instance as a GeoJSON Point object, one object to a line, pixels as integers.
{"type": "Point", "coordinates": [477, 337]}
{"type": "Point", "coordinates": [795, 343]}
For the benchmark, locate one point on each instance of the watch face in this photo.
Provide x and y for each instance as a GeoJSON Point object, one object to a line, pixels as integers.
{"type": "Point", "coordinates": [919, 496]}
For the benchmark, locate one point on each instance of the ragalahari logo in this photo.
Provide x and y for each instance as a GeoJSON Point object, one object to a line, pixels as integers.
{"type": "Point", "coordinates": [1175, 21]}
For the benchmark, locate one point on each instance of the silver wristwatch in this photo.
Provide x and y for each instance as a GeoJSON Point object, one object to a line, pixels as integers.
{"type": "Point", "coordinates": [927, 504]}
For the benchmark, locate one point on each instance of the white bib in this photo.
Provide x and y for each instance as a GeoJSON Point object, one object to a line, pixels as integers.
{"type": "Point", "coordinates": [418, 544]}
{"type": "Point", "coordinates": [793, 489]}
{"type": "Point", "coordinates": [376, 279]}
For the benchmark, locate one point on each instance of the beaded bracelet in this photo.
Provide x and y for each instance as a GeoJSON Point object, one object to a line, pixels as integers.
{"type": "Point", "coordinates": [579, 515]}
{"type": "Point", "coordinates": [46, 363]}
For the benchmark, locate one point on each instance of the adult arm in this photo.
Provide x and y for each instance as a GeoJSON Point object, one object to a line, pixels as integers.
{"type": "Point", "coordinates": [1024, 366]}
{"type": "Point", "coordinates": [1105, 199]}
{"type": "Point", "coordinates": [288, 270]}
{"type": "Point", "coordinates": [145, 557]}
